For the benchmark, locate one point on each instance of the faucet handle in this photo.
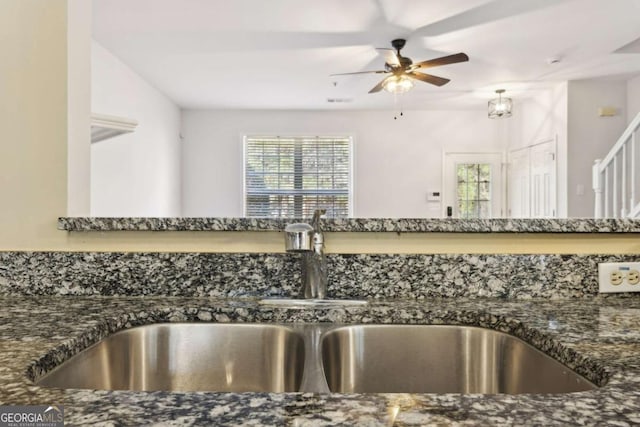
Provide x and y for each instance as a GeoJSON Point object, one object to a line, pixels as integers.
{"type": "Point", "coordinates": [298, 237]}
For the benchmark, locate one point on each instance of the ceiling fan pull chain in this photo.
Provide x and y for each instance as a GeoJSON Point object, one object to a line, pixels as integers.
{"type": "Point", "coordinates": [397, 99]}
{"type": "Point", "coordinates": [395, 102]}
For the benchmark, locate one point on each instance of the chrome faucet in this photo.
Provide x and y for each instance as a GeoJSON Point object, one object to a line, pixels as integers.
{"type": "Point", "coordinates": [309, 240]}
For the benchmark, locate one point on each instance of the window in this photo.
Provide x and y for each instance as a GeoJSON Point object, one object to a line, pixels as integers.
{"type": "Point", "coordinates": [290, 177]}
{"type": "Point", "coordinates": [474, 190]}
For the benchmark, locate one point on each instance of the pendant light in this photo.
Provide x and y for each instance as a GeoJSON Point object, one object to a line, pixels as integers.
{"type": "Point", "coordinates": [500, 108]}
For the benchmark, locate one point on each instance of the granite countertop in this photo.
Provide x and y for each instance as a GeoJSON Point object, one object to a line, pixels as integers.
{"type": "Point", "coordinates": [395, 225]}
{"type": "Point", "coordinates": [597, 337]}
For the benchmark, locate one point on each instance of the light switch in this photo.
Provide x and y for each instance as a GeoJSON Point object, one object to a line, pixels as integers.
{"type": "Point", "coordinates": [607, 111]}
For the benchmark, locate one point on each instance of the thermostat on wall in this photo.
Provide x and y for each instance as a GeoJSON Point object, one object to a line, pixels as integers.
{"type": "Point", "coordinates": [433, 196]}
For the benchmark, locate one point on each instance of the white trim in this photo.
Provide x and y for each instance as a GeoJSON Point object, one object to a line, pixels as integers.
{"type": "Point", "coordinates": [104, 126]}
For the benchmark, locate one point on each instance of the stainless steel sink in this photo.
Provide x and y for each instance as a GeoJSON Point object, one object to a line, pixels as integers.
{"type": "Point", "coordinates": [189, 357]}
{"type": "Point", "coordinates": [319, 358]}
{"type": "Point", "coordinates": [440, 359]}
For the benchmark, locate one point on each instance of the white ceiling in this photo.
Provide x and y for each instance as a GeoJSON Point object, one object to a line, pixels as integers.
{"type": "Point", "coordinates": [280, 53]}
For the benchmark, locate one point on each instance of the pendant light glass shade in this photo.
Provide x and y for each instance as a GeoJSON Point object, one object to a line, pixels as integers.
{"type": "Point", "coordinates": [500, 107]}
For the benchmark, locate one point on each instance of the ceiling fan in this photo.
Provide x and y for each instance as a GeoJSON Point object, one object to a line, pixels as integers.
{"type": "Point", "coordinates": [402, 70]}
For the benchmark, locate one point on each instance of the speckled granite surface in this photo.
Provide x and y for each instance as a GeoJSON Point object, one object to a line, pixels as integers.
{"type": "Point", "coordinates": [598, 337]}
{"type": "Point", "coordinates": [272, 275]}
{"type": "Point", "coordinates": [408, 225]}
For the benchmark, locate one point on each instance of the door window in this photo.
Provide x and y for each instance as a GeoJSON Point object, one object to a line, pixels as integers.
{"type": "Point", "coordinates": [473, 185]}
{"type": "Point", "coordinates": [474, 190]}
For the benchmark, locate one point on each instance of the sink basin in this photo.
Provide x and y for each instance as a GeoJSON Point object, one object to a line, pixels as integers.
{"type": "Point", "coordinates": [315, 358]}
{"type": "Point", "coordinates": [439, 359]}
{"type": "Point", "coordinates": [188, 357]}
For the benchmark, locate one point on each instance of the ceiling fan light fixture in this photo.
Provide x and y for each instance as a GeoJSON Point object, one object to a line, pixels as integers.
{"type": "Point", "coordinates": [500, 108]}
{"type": "Point", "coordinates": [398, 84]}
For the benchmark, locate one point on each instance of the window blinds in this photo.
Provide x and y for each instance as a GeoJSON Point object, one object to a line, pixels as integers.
{"type": "Point", "coordinates": [291, 177]}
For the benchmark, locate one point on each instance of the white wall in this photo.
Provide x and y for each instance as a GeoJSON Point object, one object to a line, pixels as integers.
{"type": "Point", "coordinates": [633, 98]}
{"type": "Point", "coordinates": [79, 107]}
{"type": "Point", "coordinates": [396, 161]}
{"type": "Point", "coordinates": [33, 119]}
{"type": "Point", "coordinates": [537, 118]}
{"type": "Point", "coordinates": [590, 136]}
{"type": "Point", "coordinates": [136, 174]}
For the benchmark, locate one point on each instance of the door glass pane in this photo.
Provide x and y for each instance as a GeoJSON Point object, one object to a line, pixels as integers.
{"type": "Point", "coordinates": [484, 191]}
{"type": "Point", "coordinates": [474, 190]}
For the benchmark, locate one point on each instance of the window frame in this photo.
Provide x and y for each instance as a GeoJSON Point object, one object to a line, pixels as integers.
{"type": "Point", "coordinates": [449, 178]}
{"type": "Point", "coordinates": [346, 135]}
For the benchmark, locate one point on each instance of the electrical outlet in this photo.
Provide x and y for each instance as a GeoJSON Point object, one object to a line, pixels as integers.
{"type": "Point", "coordinates": [633, 277]}
{"type": "Point", "coordinates": [619, 277]}
{"type": "Point", "coordinates": [616, 278]}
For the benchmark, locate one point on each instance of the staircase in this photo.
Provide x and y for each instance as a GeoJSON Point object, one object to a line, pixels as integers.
{"type": "Point", "coordinates": [616, 179]}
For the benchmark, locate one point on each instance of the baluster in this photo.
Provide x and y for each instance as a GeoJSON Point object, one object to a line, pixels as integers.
{"type": "Point", "coordinates": [597, 187]}
{"type": "Point", "coordinates": [614, 188]}
{"type": "Point", "coordinates": [606, 192]}
{"type": "Point", "coordinates": [633, 171]}
{"type": "Point", "coordinates": [623, 189]}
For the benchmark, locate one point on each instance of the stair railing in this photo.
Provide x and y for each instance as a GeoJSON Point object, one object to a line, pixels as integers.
{"type": "Point", "coordinates": [615, 177]}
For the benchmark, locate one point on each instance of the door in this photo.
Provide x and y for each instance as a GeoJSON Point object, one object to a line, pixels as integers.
{"type": "Point", "coordinates": [473, 185]}
{"type": "Point", "coordinates": [518, 183]}
{"type": "Point", "coordinates": [543, 180]}
{"type": "Point", "coordinates": [531, 180]}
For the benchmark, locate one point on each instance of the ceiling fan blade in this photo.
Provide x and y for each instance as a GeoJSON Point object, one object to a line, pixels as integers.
{"type": "Point", "coordinates": [445, 60]}
{"type": "Point", "coordinates": [390, 56]}
{"type": "Point", "coordinates": [359, 72]}
{"type": "Point", "coordinates": [485, 13]}
{"type": "Point", "coordinates": [428, 78]}
{"type": "Point", "coordinates": [379, 86]}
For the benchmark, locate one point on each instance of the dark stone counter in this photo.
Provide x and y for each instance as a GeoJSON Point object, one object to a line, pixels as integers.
{"type": "Point", "coordinates": [598, 337]}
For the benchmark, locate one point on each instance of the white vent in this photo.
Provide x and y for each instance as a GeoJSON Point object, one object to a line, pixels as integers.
{"type": "Point", "coordinates": [339, 100]}
{"type": "Point", "coordinates": [104, 126]}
